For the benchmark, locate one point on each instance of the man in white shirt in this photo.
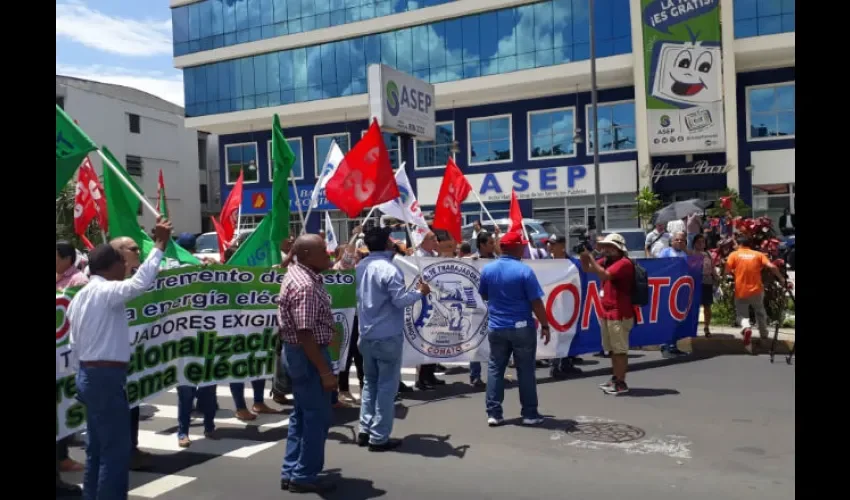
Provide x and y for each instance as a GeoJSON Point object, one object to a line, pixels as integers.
{"type": "Point", "coordinates": [100, 340]}
{"type": "Point", "coordinates": [426, 379]}
{"type": "Point", "coordinates": [657, 240]}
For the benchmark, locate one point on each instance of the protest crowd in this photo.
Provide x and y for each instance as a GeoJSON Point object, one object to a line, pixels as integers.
{"type": "Point", "coordinates": [125, 266]}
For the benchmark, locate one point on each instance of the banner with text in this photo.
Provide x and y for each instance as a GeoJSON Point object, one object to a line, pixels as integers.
{"type": "Point", "coordinates": [684, 77]}
{"type": "Point", "coordinates": [198, 326]}
{"type": "Point", "coordinates": [450, 325]}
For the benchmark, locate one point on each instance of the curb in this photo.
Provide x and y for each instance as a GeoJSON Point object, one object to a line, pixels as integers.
{"type": "Point", "coordinates": [720, 343]}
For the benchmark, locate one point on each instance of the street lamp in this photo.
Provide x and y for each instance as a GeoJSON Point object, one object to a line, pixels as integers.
{"type": "Point", "coordinates": [594, 106]}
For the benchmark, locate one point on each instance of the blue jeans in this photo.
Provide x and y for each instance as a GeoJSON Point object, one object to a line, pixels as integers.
{"type": "Point", "coordinates": [522, 343]}
{"type": "Point", "coordinates": [101, 390]}
{"type": "Point", "coordinates": [381, 376]}
{"type": "Point", "coordinates": [237, 390]}
{"type": "Point", "coordinates": [474, 371]}
{"type": "Point", "coordinates": [310, 418]}
{"type": "Point", "coordinates": [206, 404]}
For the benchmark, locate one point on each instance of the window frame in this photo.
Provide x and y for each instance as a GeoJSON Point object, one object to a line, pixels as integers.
{"type": "Point", "coordinates": [469, 121]}
{"type": "Point", "coordinates": [227, 162]}
{"type": "Point", "coordinates": [316, 170]}
{"type": "Point", "coordinates": [300, 158]}
{"type": "Point", "coordinates": [141, 173]}
{"type": "Point", "coordinates": [528, 132]}
{"type": "Point", "coordinates": [130, 123]}
{"type": "Point", "coordinates": [774, 86]}
{"type": "Point", "coordinates": [416, 148]}
{"type": "Point", "coordinates": [589, 127]}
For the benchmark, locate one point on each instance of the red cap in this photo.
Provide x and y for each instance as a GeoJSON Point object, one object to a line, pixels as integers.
{"type": "Point", "coordinates": [513, 238]}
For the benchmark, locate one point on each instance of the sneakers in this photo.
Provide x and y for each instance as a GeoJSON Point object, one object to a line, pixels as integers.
{"type": "Point", "coordinates": [747, 333]}
{"type": "Point", "coordinates": [495, 422]}
{"type": "Point", "coordinates": [608, 384]}
{"type": "Point", "coordinates": [532, 421]}
{"type": "Point", "coordinates": [617, 388]}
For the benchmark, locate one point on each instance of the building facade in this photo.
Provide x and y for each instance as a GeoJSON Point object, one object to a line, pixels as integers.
{"type": "Point", "coordinates": [512, 81]}
{"type": "Point", "coordinates": [146, 134]}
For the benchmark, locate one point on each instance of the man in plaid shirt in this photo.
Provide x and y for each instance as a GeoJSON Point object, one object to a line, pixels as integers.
{"type": "Point", "coordinates": [306, 329]}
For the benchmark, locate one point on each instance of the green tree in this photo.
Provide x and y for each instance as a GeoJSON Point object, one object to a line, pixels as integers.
{"type": "Point", "coordinates": [739, 208]}
{"type": "Point", "coordinates": [65, 219]}
{"type": "Point", "coordinates": [647, 204]}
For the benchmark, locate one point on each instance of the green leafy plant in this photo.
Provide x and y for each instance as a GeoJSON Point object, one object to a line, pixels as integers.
{"type": "Point", "coordinates": [647, 204]}
{"type": "Point", "coordinates": [738, 207]}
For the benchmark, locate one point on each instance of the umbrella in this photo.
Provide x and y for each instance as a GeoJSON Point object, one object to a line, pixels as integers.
{"type": "Point", "coordinates": [680, 210]}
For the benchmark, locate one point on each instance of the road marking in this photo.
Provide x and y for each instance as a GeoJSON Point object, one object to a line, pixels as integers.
{"type": "Point", "coordinates": [162, 485]}
{"type": "Point", "coordinates": [224, 417]}
{"type": "Point", "coordinates": [236, 448]}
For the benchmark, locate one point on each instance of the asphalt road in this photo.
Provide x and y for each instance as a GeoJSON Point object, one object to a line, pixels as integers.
{"type": "Point", "coordinates": [718, 428]}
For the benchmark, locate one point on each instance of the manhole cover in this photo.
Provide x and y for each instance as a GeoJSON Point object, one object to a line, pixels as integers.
{"type": "Point", "coordinates": [606, 432]}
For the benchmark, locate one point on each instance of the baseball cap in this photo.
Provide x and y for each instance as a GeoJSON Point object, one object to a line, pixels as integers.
{"type": "Point", "coordinates": [513, 238]}
{"type": "Point", "coordinates": [556, 239]}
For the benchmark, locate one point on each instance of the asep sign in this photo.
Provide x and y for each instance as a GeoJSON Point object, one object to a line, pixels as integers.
{"type": "Point", "coordinates": [401, 103]}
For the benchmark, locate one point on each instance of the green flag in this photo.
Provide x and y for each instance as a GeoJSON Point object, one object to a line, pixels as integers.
{"type": "Point", "coordinates": [123, 209]}
{"type": "Point", "coordinates": [72, 146]}
{"type": "Point", "coordinates": [262, 248]}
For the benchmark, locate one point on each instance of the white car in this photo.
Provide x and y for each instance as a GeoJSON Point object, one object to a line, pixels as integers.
{"type": "Point", "coordinates": [206, 245]}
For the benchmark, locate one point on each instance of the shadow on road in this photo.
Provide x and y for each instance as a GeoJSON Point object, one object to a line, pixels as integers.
{"type": "Point", "coordinates": [350, 488]}
{"type": "Point", "coordinates": [549, 423]}
{"type": "Point", "coordinates": [645, 392]}
{"type": "Point", "coordinates": [431, 446]}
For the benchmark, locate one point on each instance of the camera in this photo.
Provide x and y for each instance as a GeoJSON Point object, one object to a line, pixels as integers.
{"type": "Point", "coordinates": [580, 232]}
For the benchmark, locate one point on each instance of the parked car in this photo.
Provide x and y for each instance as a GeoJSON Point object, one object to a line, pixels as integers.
{"type": "Point", "coordinates": [635, 240]}
{"type": "Point", "coordinates": [206, 245]}
{"type": "Point", "coordinates": [538, 229]}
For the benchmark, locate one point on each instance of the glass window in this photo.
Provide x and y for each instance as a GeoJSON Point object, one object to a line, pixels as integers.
{"type": "Point", "coordinates": [771, 112]}
{"type": "Point", "coordinates": [496, 42]}
{"type": "Point", "coordinates": [392, 144]}
{"type": "Point", "coordinates": [241, 157]}
{"type": "Point", "coordinates": [211, 24]}
{"type": "Point", "coordinates": [763, 17]}
{"type": "Point", "coordinates": [550, 133]}
{"type": "Point", "coordinates": [436, 153]}
{"type": "Point", "coordinates": [772, 200]}
{"type": "Point", "coordinates": [297, 167]}
{"type": "Point", "coordinates": [323, 145]}
{"type": "Point", "coordinates": [616, 127]}
{"type": "Point", "coordinates": [489, 139]}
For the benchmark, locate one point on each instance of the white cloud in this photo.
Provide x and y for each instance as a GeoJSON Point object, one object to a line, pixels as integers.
{"type": "Point", "coordinates": [117, 35]}
{"type": "Point", "coordinates": [167, 86]}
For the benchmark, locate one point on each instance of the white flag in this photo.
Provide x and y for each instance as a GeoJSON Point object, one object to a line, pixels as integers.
{"type": "Point", "coordinates": [405, 207]}
{"type": "Point", "coordinates": [332, 162]}
{"type": "Point", "coordinates": [330, 235]}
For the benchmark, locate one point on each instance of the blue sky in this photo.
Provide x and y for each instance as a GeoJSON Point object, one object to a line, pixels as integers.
{"type": "Point", "coordinates": [126, 42]}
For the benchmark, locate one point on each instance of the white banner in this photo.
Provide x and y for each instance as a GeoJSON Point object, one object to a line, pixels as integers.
{"type": "Point", "coordinates": [450, 325]}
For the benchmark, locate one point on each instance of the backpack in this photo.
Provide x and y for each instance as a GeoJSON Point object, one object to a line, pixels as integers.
{"type": "Point", "coordinates": [640, 290]}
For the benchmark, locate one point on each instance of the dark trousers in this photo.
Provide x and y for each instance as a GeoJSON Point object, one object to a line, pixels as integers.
{"type": "Point", "coordinates": [134, 427]}
{"type": "Point", "coordinates": [426, 373]}
{"type": "Point", "coordinates": [353, 355]}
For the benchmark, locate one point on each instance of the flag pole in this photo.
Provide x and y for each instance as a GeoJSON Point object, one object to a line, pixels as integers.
{"type": "Point", "coordinates": [298, 202]}
{"type": "Point", "coordinates": [365, 219]}
{"type": "Point", "coordinates": [103, 234]}
{"type": "Point", "coordinates": [127, 183]}
{"type": "Point", "coordinates": [409, 235]}
{"type": "Point", "coordinates": [485, 208]}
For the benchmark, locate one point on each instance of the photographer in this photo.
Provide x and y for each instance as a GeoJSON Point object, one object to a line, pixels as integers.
{"type": "Point", "coordinates": [617, 274]}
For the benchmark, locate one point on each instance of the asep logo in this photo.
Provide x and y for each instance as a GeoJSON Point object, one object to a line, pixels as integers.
{"type": "Point", "coordinates": [403, 195]}
{"type": "Point", "coordinates": [393, 104]}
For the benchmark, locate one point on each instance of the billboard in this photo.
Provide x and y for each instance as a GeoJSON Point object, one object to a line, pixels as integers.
{"type": "Point", "coordinates": [684, 76]}
{"type": "Point", "coordinates": [401, 103]}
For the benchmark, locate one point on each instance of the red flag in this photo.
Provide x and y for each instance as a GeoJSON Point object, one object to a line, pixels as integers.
{"type": "Point", "coordinates": [515, 214]}
{"type": "Point", "coordinates": [222, 245]}
{"type": "Point", "coordinates": [229, 216]}
{"type": "Point", "coordinates": [453, 191]}
{"type": "Point", "coordinates": [364, 178]}
{"type": "Point", "coordinates": [88, 201]}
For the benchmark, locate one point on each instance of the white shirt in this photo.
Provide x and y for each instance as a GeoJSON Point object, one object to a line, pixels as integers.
{"type": "Point", "coordinates": [676, 226]}
{"type": "Point", "coordinates": [99, 329]}
{"type": "Point", "coordinates": [421, 252]}
{"type": "Point", "coordinates": [658, 241]}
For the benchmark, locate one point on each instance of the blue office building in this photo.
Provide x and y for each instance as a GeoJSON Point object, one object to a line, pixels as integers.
{"type": "Point", "coordinates": [512, 81]}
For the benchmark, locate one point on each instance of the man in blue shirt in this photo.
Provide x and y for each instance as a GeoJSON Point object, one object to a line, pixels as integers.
{"type": "Point", "coordinates": [512, 293]}
{"type": "Point", "coordinates": [678, 249]}
{"type": "Point", "coordinates": [381, 300]}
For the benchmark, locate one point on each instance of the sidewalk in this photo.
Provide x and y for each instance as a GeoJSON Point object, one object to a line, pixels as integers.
{"type": "Point", "coordinates": [728, 340]}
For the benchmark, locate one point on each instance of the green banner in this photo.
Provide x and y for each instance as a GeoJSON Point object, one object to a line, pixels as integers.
{"type": "Point", "coordinates": [198, 325]}
{"type": "Point", "coordinates": [684, 76]}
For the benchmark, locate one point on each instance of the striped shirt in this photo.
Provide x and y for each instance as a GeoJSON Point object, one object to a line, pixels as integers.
{"type": "Point", "coordinates": [304, 305]}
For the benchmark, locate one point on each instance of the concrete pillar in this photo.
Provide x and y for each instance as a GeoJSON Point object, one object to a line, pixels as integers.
{"type": "Point", "coordinates": [644, 160]}
{"type": "Point", "coordinates": [730, 94]}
